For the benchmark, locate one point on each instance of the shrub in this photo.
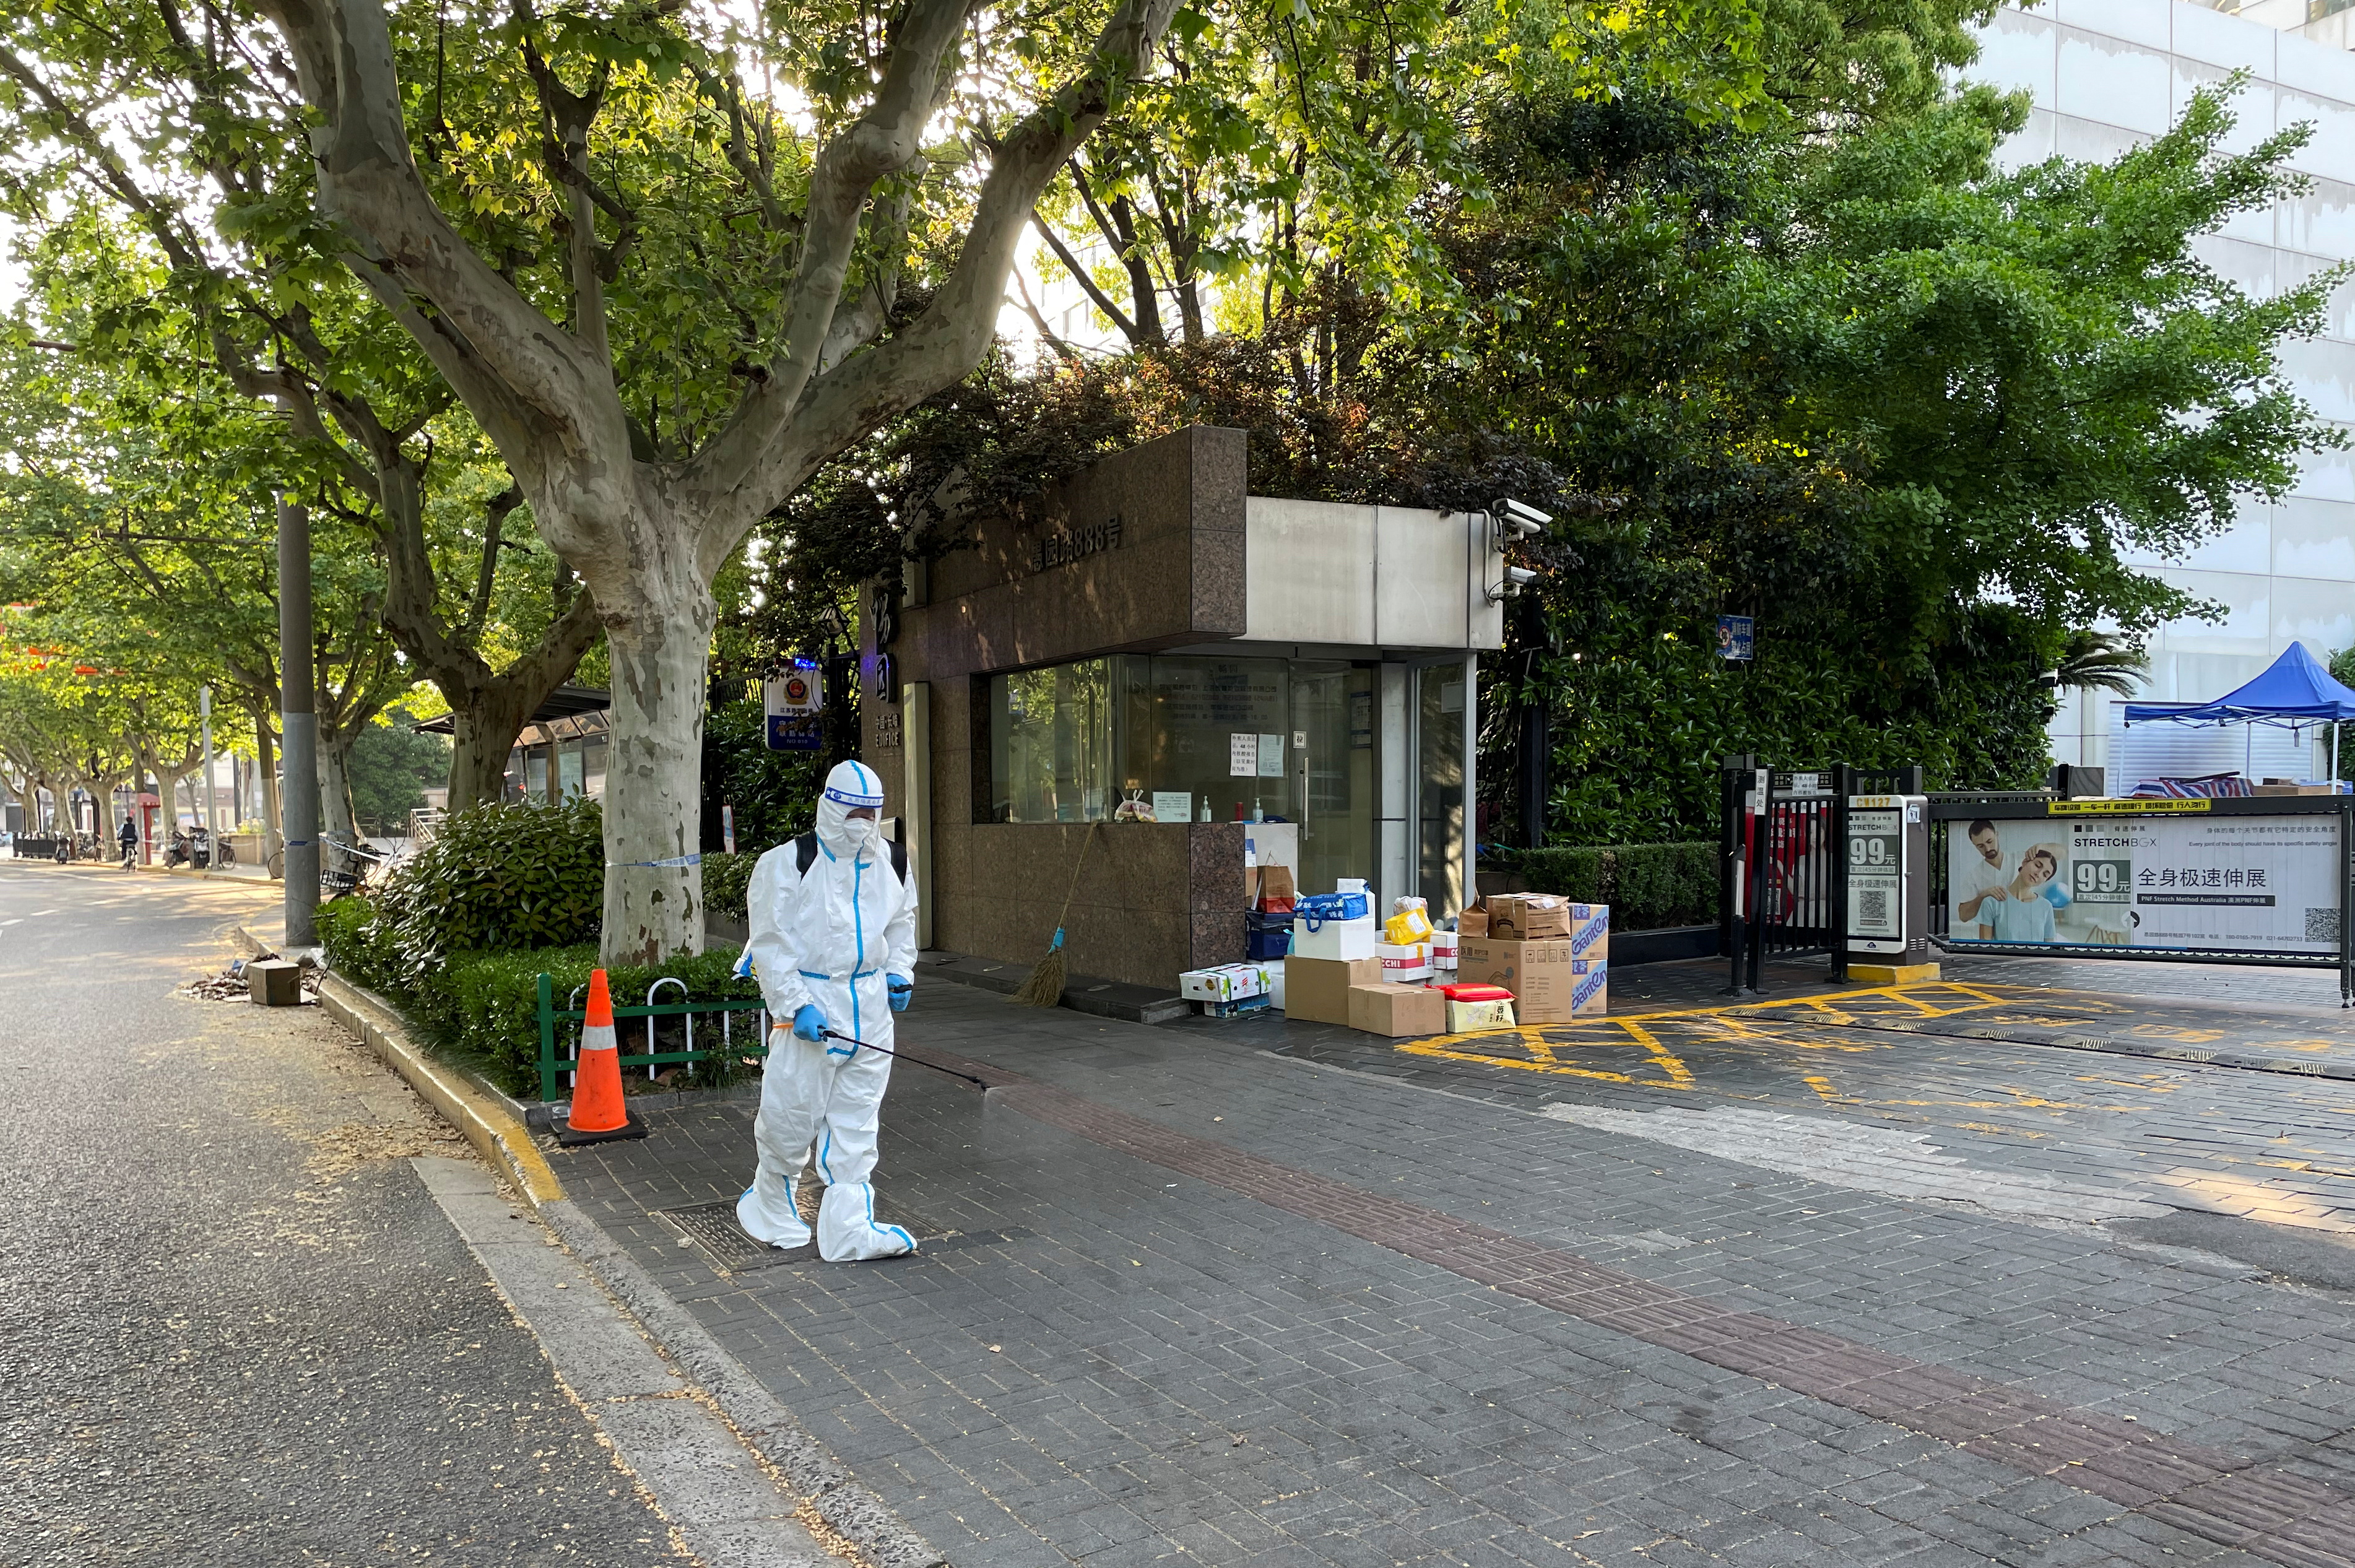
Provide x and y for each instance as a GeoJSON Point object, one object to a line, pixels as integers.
{"type": "Point", "coordinates": [1647, 886]}
{"type": "Point", "coordinates": [358, 941]}
{"type": "Point", "coordinates": [725, 877]}
{"type": "Point", "coordinates": [499, 878]}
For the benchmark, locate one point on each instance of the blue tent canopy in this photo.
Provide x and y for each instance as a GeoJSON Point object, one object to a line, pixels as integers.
{"type": "Point", "coordinates": [2294, 692]}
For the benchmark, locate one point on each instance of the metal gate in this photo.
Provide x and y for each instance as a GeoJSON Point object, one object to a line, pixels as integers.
{"type": "Point", "coordinates": [1785, 881]}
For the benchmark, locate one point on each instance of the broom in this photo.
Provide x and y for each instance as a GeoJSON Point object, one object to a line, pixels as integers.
{"type": "Point", "coordinates": [1044, 988]}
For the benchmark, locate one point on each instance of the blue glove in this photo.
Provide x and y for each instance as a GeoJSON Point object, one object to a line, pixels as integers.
{"type": "Point", "coordinates": [809, 1024]}
{"type": "Point", "coordinates": [902, 988]}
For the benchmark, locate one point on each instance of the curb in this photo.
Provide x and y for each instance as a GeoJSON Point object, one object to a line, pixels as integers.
{"type": "Point", "coordinates": [761, 1421]}
{"type": "Point", "coordinates": [2115, 1045]}
{"type": "Point", "coordinates": [498, 1136]}
{"type": "Point", "coordinates": [763, 1424]}
{"type": "Point", "coordinates": [2246, 1061]}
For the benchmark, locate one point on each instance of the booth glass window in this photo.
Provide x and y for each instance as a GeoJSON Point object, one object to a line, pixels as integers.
{"type": "Point", "coordinates": [1050, 742]}
{"type": "Point", "coordinates": [1217, 729]}
{"type": "Point", "coordinates": [1290, 740]}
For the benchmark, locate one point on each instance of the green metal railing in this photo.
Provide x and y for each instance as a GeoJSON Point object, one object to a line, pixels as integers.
{"type": "Point", "coordinates": [726, 1047]}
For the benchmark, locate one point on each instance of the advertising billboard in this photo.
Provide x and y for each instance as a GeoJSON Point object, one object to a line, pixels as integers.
{"type": "Point", "coordinates": [2181, 881]}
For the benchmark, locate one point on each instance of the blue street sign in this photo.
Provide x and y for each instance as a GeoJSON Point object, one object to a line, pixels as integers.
{"type": "Point", "coordinates": [797, 732]}
{"type": "Point", "coordinates": [1736, 637]}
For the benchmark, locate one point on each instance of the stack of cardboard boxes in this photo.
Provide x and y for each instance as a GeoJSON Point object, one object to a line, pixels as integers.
{"type": "Point", "coordinates": [1552, 955]}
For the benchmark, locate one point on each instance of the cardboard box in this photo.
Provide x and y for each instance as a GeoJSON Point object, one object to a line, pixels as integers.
{"type": "Point", "coordinates": [1469, 1017]}
{"type": "Point", "coordinates": [1317, 989]}
{"type": "Point", "coordinates": [1590, 930]}
{"type": "Point", "coordinates": [1398, 1012]}
{"type": "Point", "coordinates": [1225, 983]}
{"type": "Point", "coordinates": [1528, 917]}
{"type": "Point", "coordinates": [1541, 975]}
{"type": "Point", "coordinates": [1473, 922]}
{"type": "Point", "coordinates": [1589, 988]}
{"type": "Point", "coordinates": [274, 983]}
{"type": "Point", "coordinates": [1402, 964]}
{"type": "Point", "coordinates": [1346, 941]}
{"type": "Point", "coordinates": [2270, 788]}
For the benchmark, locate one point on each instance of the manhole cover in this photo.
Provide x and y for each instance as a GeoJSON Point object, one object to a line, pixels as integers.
{"type": "Point", "coordinates": [712, 1227]}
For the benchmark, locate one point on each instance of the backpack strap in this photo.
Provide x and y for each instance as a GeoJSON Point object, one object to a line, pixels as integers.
{"type": "Point", "coordinates": [805, 852]}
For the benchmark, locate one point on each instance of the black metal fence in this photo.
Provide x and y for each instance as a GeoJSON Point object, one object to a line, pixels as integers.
{"type": "Point", "coordinates": [1785, 881]}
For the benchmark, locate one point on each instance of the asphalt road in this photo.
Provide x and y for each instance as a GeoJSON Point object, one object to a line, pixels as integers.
{"type": "Point", "coordinates": [234, 1326]}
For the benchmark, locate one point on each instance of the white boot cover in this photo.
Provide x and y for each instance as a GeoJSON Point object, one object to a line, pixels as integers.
{"type": "Point", "coordinates": [766, 1211]}
{"type": "Point", "coordinates": [847, 1231]}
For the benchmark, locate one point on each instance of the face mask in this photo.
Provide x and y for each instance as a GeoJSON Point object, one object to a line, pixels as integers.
{"type": "Point", "coordinates": [858, 831]}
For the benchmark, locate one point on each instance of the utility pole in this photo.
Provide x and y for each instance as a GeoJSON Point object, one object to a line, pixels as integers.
{"type": "Point", "coordinates": [212, 818]}
{"type": "Point", "coordinates": [298, 725]}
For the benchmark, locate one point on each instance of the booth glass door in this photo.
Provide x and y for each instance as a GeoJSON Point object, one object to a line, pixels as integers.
{"type": "Point", "coordinates": [1334, 778]}
{"type": "Point", "coordinates": [1436, 706]}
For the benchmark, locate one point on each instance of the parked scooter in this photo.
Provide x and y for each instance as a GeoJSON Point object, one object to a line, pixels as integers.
{"type": "Point", "coordinates": [200, 848]}
{"type": "Point", "coordinates": [178, 853]}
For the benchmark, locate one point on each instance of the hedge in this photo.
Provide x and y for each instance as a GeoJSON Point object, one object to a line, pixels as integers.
{"type": "Point", "coordinates": [1647, 886]}
{"type": "Point", "coordinates": [484, 1007]}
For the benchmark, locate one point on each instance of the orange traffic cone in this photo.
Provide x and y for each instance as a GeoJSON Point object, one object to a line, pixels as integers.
{"type": "Point", "coordinates": [599, 1113]}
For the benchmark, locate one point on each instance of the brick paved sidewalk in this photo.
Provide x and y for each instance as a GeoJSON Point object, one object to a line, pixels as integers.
{"type": "Point", "coordinates": [1193, 1302]}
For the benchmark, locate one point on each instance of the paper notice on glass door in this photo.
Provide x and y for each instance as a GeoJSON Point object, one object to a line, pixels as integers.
{"type": "Point", "coordinates": [1243, 755]}
{"type": "Point", "coordinates": [1270, 756]}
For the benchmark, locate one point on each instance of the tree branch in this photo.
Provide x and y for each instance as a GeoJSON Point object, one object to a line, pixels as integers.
{"type": "Point", "coordinates": [881, 141]}
{"type": "Point", "coordinates": [368, 180]}
{"type": "Point", "coordinates": [955, 330]}
{"type": "Point", "coordinates": [1103, 300]}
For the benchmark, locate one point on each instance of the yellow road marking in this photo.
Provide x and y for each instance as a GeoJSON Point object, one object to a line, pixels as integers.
{"type": "Point", "coordinates": [1437, 1048]}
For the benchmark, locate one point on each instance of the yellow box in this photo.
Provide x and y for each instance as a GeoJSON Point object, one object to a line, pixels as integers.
{"type": "Point", "coordinates": [1466, 1017]}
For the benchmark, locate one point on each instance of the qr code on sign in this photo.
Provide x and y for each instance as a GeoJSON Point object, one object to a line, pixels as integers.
{"type": "Point", "coordinates": [2322, 925]}
{"type": "Point", "coordinates": [1873, 906]}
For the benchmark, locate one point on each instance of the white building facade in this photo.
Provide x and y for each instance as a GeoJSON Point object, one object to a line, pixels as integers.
{"type": "Point", "coordinates": [2105, 75]}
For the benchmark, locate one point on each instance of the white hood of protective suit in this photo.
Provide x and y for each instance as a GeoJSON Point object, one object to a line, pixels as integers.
{"type": "Point", "coordinates": [850, 785]}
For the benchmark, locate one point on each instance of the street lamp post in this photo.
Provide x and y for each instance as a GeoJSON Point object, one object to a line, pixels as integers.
{"type": "Point", "coordinates": [298, 725]}
{"type": "Point", "coordinates": [212, 818]}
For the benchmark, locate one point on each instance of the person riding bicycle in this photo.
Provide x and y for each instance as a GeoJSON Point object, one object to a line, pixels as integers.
{"type": "Point", "coordinates": [129, 837]}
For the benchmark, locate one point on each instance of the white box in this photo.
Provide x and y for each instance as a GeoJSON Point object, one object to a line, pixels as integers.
{"type": "Point", "coordinates": [1225, 983]}
{"type": "Point", "coordinates": [1274, 973]}
{"type": "Point", "coordinates": [1343, 939]}
{"type": "Point", "coordinates": [1404, 965]}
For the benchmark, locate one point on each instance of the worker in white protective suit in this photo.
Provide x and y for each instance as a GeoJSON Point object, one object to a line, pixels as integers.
{"type": "Point", "coordinates": [834, 945]}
